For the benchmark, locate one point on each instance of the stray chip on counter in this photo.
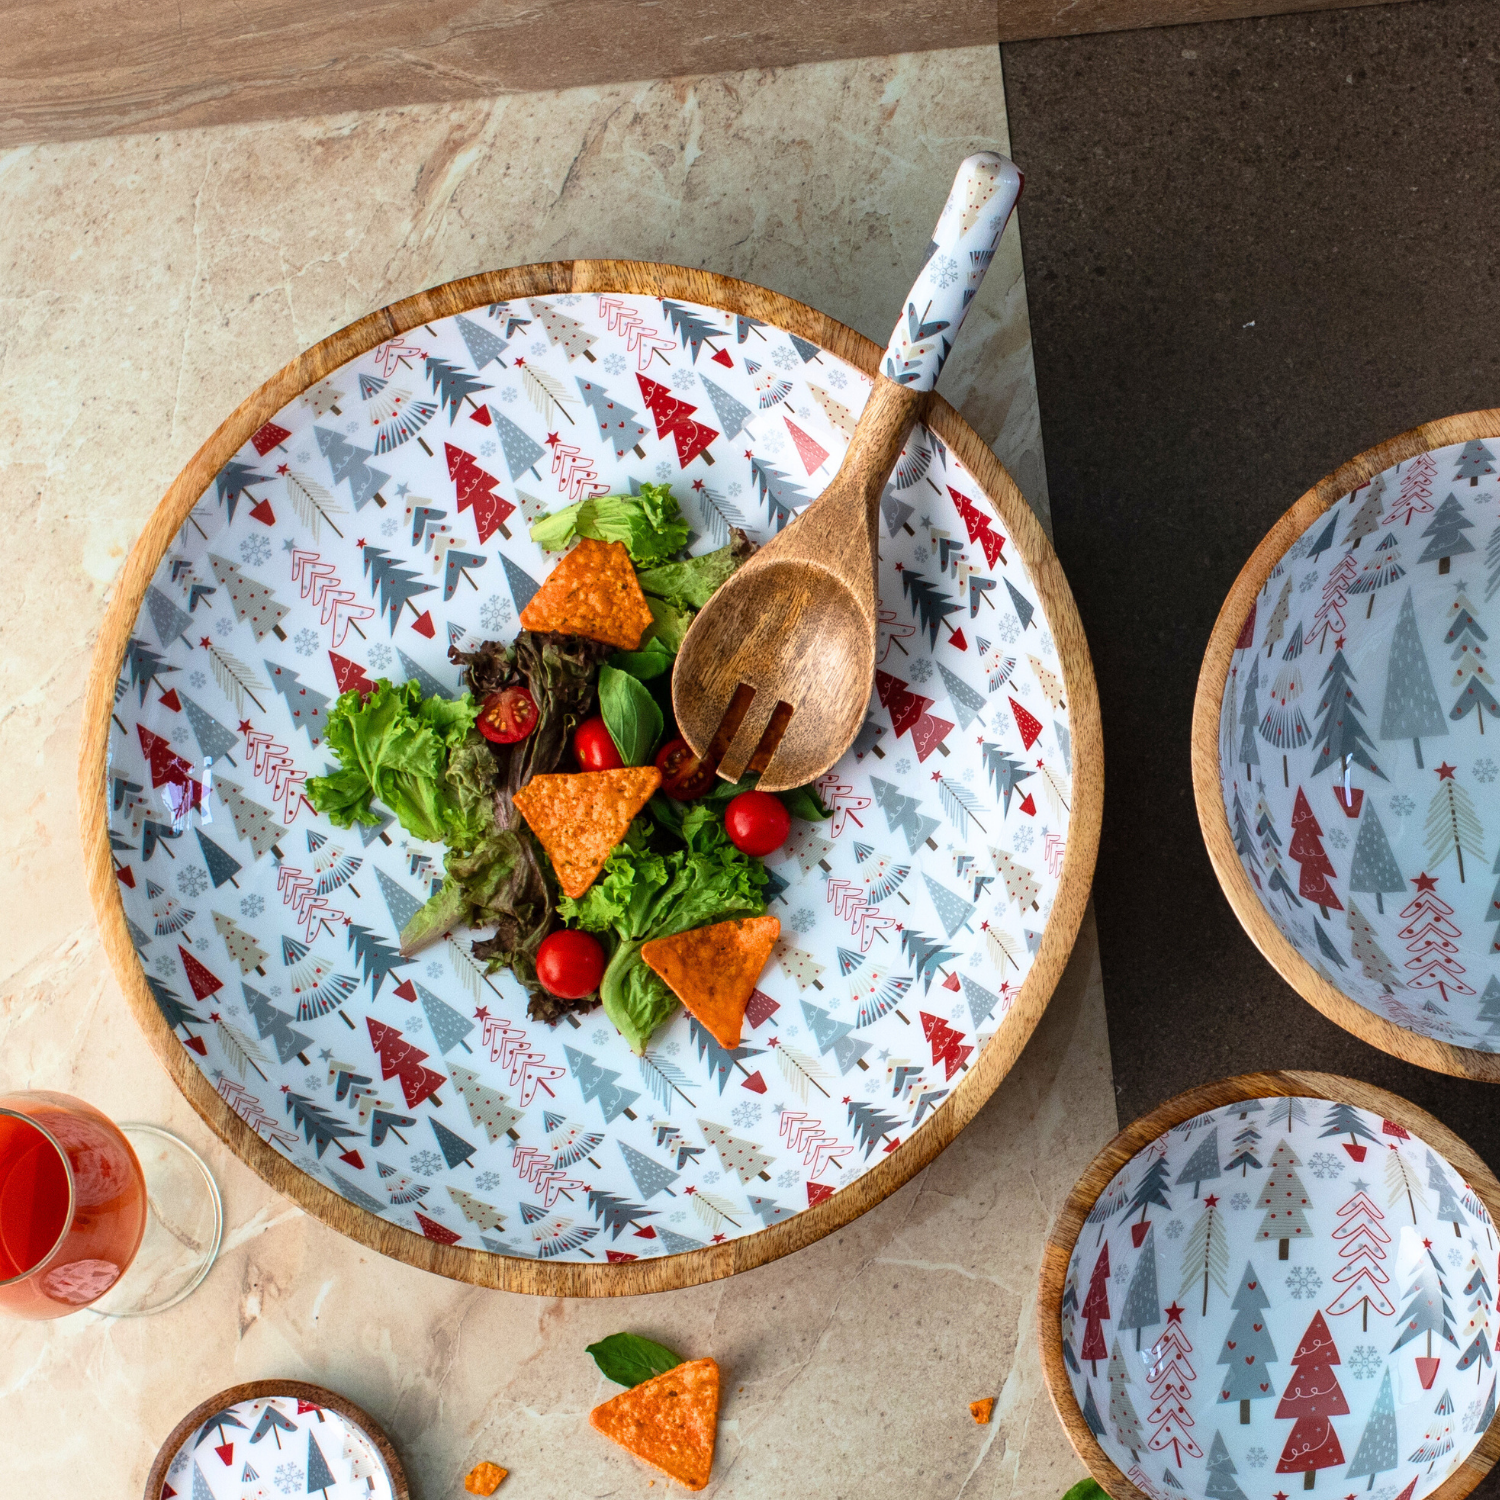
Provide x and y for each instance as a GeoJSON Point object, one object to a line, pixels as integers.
{"type": "Point", "coordinates": [981, 1411]}
{"type": "Point", "coordinates": [670, 1421]}
{"type": "Point", "coordinates": [484, 1479]}
{"type": "Point", "coordinates": [593, 591]}
{"type": "Point", "coordinates": [713, 970]}
{"type": "Point", "coordinates": [578, 819]}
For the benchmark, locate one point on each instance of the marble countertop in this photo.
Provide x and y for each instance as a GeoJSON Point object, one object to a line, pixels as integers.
{"type": "Point", "coordinates": [148, 284]}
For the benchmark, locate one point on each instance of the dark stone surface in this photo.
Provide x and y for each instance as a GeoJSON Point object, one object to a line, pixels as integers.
{"type": "Point", "coordinates": [1253, 249]}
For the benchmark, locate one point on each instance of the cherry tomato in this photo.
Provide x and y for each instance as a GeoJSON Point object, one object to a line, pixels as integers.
{"type": "Point", "coordinates": [569, 964]}
{"type": "Point", "coordinates": [594, 748]}
{"type": "Point", "coordinates": [757, 823]}
{"type": "Point", "coordinates": [508, 716]}
{"type": "Point", "coordinates": [683, 775]}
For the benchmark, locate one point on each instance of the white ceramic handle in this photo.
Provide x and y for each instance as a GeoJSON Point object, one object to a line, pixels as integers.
{"type": "Point", "coordinates": [963, 244]}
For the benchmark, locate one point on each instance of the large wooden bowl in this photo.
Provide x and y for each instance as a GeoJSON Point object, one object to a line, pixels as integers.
{"type": "Point", "coordinates": [1385, 876]}
{"type": "Point", "coordinates": [968, 1071]}
{"type": "Point", "coordinates": [1291, 1286]}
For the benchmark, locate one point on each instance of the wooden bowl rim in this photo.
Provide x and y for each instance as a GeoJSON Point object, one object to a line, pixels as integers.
{"type": "Point", "coordinates": [666, 1273]}
{"type": "Point", "coordinates": [1135, 1137]}
{"type": "Point", "coordinates": [1213, 817]}
{"type": "Point", "coordinates": [253, 1390]}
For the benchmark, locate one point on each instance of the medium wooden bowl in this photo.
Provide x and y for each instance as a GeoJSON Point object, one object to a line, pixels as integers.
{"type": "Point", "coordinates": [259, 1390]}
{"type": "Point", "coordinates": [1425, 1009]}
{"type": "Point", "coordinates": [971, 1079]}
{"type": "Point", "coordinates": [1292, 1285]}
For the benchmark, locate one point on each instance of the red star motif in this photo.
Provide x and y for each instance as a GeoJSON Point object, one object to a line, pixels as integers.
{"type": "Point", "coordinates": [900, 568]}
{"type": "Point", "coordinates": [1039, 765]}
{"type": "Point", "coordinates": [978, 739]}
{"type": "Point", "coordinates": [1427, 1244]}
{"type": "Point", "coordinates": [937, 775]}
{"type": "Point", "coordinates": [520, 363]}
{"type": "Point", "coordinates": [244, 726]}
{"type": "Point", "coordinates": [689, 1191]}
{"type": "Point", "coordinates": [1425, 882]}
{"type": "Point", "coordinates": [553, 440]}
{"type": "Point", "coordinates": [774, 1042]}
{"type": "Point", "coordinates": [718, 1239]}
{"type": "Point", "coordinates": [286, 1088]}
{"type": "Point", "coordinates": [1211, 1201]}
{"type": "Point", "coordinates": [844, 1100]}
{"type": "Point", "coordinates": [984, 926]}
{"type": "Point", "coordinates": [213, 1015]}
{"type": "Point", "coordinates": [697, 484]}
{"type": "Point", "coordinates": [1445, 772]}
{"type": "Point", "coordinates": [1174, 1313]}
{"type": "Point", "coordinates": [1279, 1495]}
{"type": "Point", "coordinates": [281, 468]}
{"type": "Point", "coordinates": [481, 1014]}
{"type": "Point", "coordinates": [1338, 644]}
{"type": "Point", "coordinates": [360, 542]}
{"type": "Point", "coordinates": [748, 453]}
{"type": "Point", "coordinates": [348, 921]}
{"type": "Point", "coordinates": [205, 642]}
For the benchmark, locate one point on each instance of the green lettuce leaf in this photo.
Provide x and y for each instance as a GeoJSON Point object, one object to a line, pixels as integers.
{"type": "Point", "coordinates": [690, 584]}
{"type": "Point", "coordinates": [647, 664]}
{"type": "Point", "coordinates": [650, 524]}
{"type": "Point", "coordinates": [668, 623]}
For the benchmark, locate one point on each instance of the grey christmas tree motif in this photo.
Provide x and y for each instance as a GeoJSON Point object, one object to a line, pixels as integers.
{"type": "Point", "coordinates": [1373, 869]}
{"type": "Point", "coordinates": [1474, 462]}
{"type": "Point", "coordinates": [1283, 725]}
{"type": "Point", "coordinates": [1142, 1307]}
{"type": "Point", "coordinates": [350, 464]}
{"type": "Point", "coordinates": [1452, 824]}
{"type": "Point", "coordinates": [1250, 718]}
{"type": "Point", "coordinates": [1476, 1327]}
{"type": "Point", "coordinates": [1438, 1439]}
{"type": "Point", "coordinates": [1470, 675]}
{"type": "Point", "coordinates": [1091, 1411]}
{"type": "Point", "coordinates": [1384, 567]}
{"type": "Point", "coordinates": [1221, 1471]}
{"type": "Point", "coordinates": [1448, 1208]}
{"type": "Point", "coordinates": [1203, 1164]}
{"type": "Point", "coordinates": [1489, 1002]}
{"type": "Point", "coordinates": [1446, 533]}
{"type": "Point", "coordinates": [1248, 1350]}
{"type": "Point", "coordinates": [1377, 1451]}
{"type": "Point", "coordinates": [521, 452]}
{"type": "Point", "coordinates": [482, 344]}
{"type": "Point", "coordinates": [1122, 1413]}
{"type": "Point", "coordinates": [1427, 1310]}
{"type": "Point", "coordinates": [732, 414]}
{"type": "Point", "coordinates": [1374, 962]}
{"type": "Point", "coordinates": [1324, 539]}
{"type": "Point", "coordinates": [1411, 710]}
{"type": "Point", "coordinates": [1342, 737]}
{"type": "Point", "coordinates": [1366, 519]}
{"type": "Point", "coordinates": [1244, 842]}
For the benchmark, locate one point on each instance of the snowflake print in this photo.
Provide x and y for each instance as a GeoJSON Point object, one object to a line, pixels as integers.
{"type": "Point", "coordinates": [166, 965]}
{"type": "Point", "coordinates": [201, 945]}
{"type": "Point", "coordinates": [192, 881]}
{"type": "Point", "coordinates": [784, 358]}
{"type": "Point", "coordinates": [179, 1463]}
{"type": "Point", "coordinates": [428, 1163]}
{"type": "Point", "coordinates": [1309, 581]}
{"type": "Point", "coordinates": [946, 269]}
{"type": "Point", "coordinates": [1239, 1202]}
{"type": "Point", "coordinates": [1022, 838]}
{"type": "Point", "coordinates": [495, 613]}
{"type": "Point", "coordinates": [538, 349]}
{"type": "Point", "coordinates": [313, 1082]}
{"type": "Point", "coordinates": [1174, 1229]}
{"type": "Point", "coordinates": [1324, 1164]}
{"type": "Point", "coordinates": [746, 1114]}
{"type": "Point", "coordinates": [663, 473]}
{"type": "Point", "coordinates": [920, 553]}
{"type": "Point", "coordinates": [1008, 629]}
{"type": "Point", "coordinates": [804, 919]}
{"type": "Point", "coordinates": [976, 959]}
{"type": "Point", "coordinates": [487, 450]}
{"type": "Point", "coordinates": [180, 735]}
{"type": "Point", "coordinates": [434, 971]}
{"type": "Point", "coordinates": [837, 379]}
{"type": "Point", "coordinates": [509, 394]}
{"type": "Point", "coordinates": [1122, 1273]}
{"type": "Point", "coordinates": [1471, 1414]}
{"type": "Point", "coordinates": [682, 380]}
{"type": "Point", "coordinates": [252, 906]}
{"type": "Point", "coordinates": [903, 767]}
{"type": "Point", "coordinates": [789, 1178]}
{"type": "Point", "coordinates": [568, 299]}
{"type": "Point", "coordinates": [600, 1036]}
{"type": "Point", "coordinates": [413, 1027]}
{"type": "Point", "coordinates": [288, 1478]}
{"type": "Point", "coordinates": [709, 1178]}
{"type": "Point", "coordinates": [678, 1217]}
{"type": "Point", "coordinates": [197, 680]}
{"type": "Point", "coordinates": [672, 1048]}
{"type": "Point", "coordinates": [1402, 805]}
{"type": "Point", "coordinates": [487, 1180]}
{"type": "Point", "coordinates": [1257, 1458]}
{"type": "Point", "coordinates": [351, 427]}
{"type": "Point", "coordinates": [614, 364]}
{"type": "Point", "coordinates": [255, 550]}
{"type": "Point", "coordinates": [919, 669]}
{"type": "Point", "coordinates": [1303, 1281]}
{"type": "Point", "coordinates": [274, 990]}
{"type": "Point", "coordinates": [1485, 769]}
{"type": "Point", "coordinates": [1364, 1361]}
{"type": "Point", "coordinates": [436, 1210]}
{"type": "Point", "coordinates": [1047, 643]}
{"type": "Point", "coordinates": [736, 489]}
{"type": "Point", "coordinates": [380, 657]}
{"type": "Point", "coordinates": [305, 642]}
{"type": "Point", "coordinates": [1455, 1258]}
{"type": "Point", "coordinates": [957, 1011]}
{"type": "Point", "coordinates": [390, 526]}
{"type": "Point", "coordinates": [223, 626]}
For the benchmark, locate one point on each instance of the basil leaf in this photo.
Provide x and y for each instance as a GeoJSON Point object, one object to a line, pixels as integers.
{"type": "Point", "coordinates": [630, 714]}
{"type": "Point", "coordinates": [1087, 1489]}
{"type": "Point", "coordinates": [646, 664]}
{"type": "Point", "coordinates": [628, 1359]}
{"type": "Point", "coordinates": [804, 802]}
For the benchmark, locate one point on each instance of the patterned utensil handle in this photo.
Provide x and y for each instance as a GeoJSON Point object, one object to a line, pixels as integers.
{"type": "Point", "coordinates": [963, 245]}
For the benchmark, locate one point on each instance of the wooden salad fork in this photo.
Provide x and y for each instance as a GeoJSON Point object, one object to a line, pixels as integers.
{"type": "Point", "coordinates": [775, 673]}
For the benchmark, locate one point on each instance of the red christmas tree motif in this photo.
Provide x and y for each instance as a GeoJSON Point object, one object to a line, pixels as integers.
{"type": "Point", "coordinates": [1306, 849]}
{"type": "Point", "coordinates": [1416, 491]}
{"type": "Point", "coordinates": [476, 489]}
{"type": "Point", "coordinates": [947, 1044]}
{"type": "Point", "coordinates": [1432, 940]}
{"type": "Point", "coordinates": [249, 1108]}
{"type": "Point", "coordinates": [267, 437]}
{"type": "Point", "coordinates": [435, 1231]}
{"type": "Point", "coordinates": [574, 469]}
{"type": "Point", "coordinates": [399, 1059]}
{"type": "Point", "coordinates": [1247, 630]}
{"type": "Point", "coordinates": [349, 674]}
{"type": "Point", "coordinates": [274, 765]}
{"type": "Point", "coordinates": [804, 1134]}
{"type": "Point", "coordinates": [1361, 1241]}
{"type": "Point", "coordinates": [320, 584]}
{"type": "Point", "coordinates": [535, 1167]}
{"type": "Point", "coordinates": [639, 340]}
{"type": "Point", "coordinates": [529, 1069]}
{"type": "Point", "coordinates": [1330, 615]}
{"type": "Point", "coordinates": [1095, 1310]}
{"type": "Point", "coordinates": [1029, 726]}
{"type": "Point", "coordinates": [204, 984]}
{"type": "Point", "coordinates": [979, 527]}
{"type": "Point", "coordinates": [170, 770]}
{"type": "Point", "coordinates": [1313, 1397]}
{"type": "Point", "coordinates": [810, 452]}
{"type": "Point", "coordinates": [300, 893]}
{"type": "Point", "coordinates": [905, 707]}
{"type": "Point", "coordinates": [674, 417]}
{"type": "Point", "coordinates": [839, 795]}
{"type": "Point", "coordinates": [929, 733]}
{"type": "Point", "coordinates": [1170, 1376]}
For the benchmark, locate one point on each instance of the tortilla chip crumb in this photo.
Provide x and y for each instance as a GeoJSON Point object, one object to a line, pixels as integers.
{"type": "Point", "coordinates": [982, 1410]}
{"type": "Point", "coordinates": [713, 970]}
{"type": "Point", "coordinates": [484, 1479]}
{"type": "Point", "coordinates": [593, 591]}
{"type": "Point", "coordinates": [670, 1421]}
{"type": "Point", "coordinates": [578, 819]}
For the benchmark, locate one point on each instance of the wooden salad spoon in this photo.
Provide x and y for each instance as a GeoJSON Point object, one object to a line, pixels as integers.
{"type": "Point", "coordinates": [776, 671]}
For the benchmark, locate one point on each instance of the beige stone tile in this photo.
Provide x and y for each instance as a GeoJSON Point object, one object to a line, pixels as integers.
{"type": "Point", "coordinates": [147, 284]}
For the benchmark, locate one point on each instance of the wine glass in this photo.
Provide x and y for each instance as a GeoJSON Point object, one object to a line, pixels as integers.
{"type": "Point", "coordinates": [121, 1219]}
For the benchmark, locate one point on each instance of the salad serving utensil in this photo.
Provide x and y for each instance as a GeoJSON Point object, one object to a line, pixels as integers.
{"type": "Point", "coordinates": [775, 673]}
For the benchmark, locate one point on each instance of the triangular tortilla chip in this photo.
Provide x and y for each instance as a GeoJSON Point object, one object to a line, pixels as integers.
{"type": "Point", "coordinates": [713, 970]}
{"type": "Point", "coordinates": [593, 592]}
{"type": "Point", "coordinates": [579, 819]}
{"type": "Point", "coordinates": [669, 1421]}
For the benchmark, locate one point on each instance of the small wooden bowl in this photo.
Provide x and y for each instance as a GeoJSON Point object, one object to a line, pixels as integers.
{"type": "Point", "coordinates": [255, 1390]}
{"type": "Point", "coordinates": [1307, 967]}
{"type": "Point", "coordinates": [1398, 1116]}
